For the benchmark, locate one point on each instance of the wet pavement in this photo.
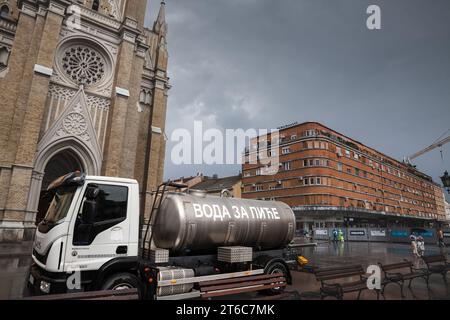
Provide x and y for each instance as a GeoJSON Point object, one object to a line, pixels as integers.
{"type": "Point", "coordinates": [14, 270]}
{"type": "Point", "coordinates": [365, 254]}
{"type": "Point", "coordinates": [13, 276]}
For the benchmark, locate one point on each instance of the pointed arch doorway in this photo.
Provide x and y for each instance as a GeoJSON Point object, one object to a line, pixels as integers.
{"type": "Point", "coordinates": [55, 160]}
{"type": "Point", "coordinates": [62, 163]}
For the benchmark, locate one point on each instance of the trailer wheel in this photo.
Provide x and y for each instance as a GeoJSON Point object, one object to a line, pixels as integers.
{"type": "Point", "coordinates": [276, 267]}
{"type": "Point", "coordinates": [122, 281]}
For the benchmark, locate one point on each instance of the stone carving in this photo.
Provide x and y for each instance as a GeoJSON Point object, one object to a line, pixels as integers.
{"type": "Point", "coordinates": [83, 65]}
{"type": "Point", "coordinates": [74, 124]}
{"type": "Point", "coordinates": [61, 92]}
{"type": "Point", "coordinates": [115, 9]}
{"type": "Point", "coordinates": [83, 61]}
{"type": "Point", "coordinates": [145, 96]}
{"type": "Point", "coordinates": [100, 103]}
{"type": "Point", "coordinates": [73, 128]}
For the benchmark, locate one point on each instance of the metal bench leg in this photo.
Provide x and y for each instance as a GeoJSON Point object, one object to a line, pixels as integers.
{"type": "Point", "coordinates": [444, 275]}
{"type": "Point", "coordinates": [382, 290]}
{"type": "Point", "coordinates": [401, 289]}
{"type": "Point", "coordinates": [410, 281]}
{"type": "Point", "coordinates": [359, 295]}
{"type": "Point", "coordinates": [424, 278]}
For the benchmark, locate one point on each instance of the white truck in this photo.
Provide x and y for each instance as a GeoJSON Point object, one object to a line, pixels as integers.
{"type": "Point", "coordinates": [92, 239]}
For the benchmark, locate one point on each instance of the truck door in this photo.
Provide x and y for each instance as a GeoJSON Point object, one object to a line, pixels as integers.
{"type": "Point", "coordinates": [105, 235]}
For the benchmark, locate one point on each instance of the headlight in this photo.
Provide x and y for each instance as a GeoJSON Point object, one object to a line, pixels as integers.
{"type": "Point", "coordinates": [45, 287]}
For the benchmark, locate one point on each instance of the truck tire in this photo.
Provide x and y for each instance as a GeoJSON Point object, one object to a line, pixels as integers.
{"type": "Point", "coordinates": [122, 281]}
{"type": "Point", "coordinates": [276, 267]}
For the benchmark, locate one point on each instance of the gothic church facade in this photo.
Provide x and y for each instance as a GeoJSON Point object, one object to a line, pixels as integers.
{"type": "Point", "coordinates": [83, 86]}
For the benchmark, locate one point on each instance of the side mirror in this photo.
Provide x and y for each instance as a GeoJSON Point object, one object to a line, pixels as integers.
{"type": "Point", "coordinates": [89, 211]}
{"type": "Point", "coordinates": [92, 192]}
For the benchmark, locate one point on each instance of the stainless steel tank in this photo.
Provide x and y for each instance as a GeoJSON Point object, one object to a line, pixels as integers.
{"type": "Point", "coordinates": [193, 223]}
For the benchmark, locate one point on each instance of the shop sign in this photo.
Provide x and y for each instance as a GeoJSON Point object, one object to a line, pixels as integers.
{"type": "Point", "coordinates": [321, 232]}
{"type": "Point", "coordinates": [378, 233]}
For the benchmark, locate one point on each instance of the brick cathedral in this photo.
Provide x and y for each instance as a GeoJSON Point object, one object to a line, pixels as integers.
{"type": "Point", "coordinates": [83, 86]}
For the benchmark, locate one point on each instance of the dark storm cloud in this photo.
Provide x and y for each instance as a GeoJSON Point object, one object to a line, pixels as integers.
{"type": "Point", "coordinates": [263, 63]}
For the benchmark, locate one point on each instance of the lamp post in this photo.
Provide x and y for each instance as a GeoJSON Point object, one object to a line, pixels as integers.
{"type": "Point", "coordinates": [446, 181]}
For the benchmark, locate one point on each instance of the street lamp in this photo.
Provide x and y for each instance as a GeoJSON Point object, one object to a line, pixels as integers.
{"type": "Point", "coordinates": [446, 181]}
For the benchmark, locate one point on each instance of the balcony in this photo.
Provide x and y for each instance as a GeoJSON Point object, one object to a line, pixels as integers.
{"type": "Point", "coordinates": [8, 26]}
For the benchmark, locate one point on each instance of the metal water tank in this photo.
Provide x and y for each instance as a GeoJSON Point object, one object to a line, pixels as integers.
{"type": "Point", "coordinates": [199, 223]}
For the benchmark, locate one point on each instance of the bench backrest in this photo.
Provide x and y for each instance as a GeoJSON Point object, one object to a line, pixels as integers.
{"type": "Point", "coordinates": [338, 273]}
{"type": "Point", "coordinates": [227, 287]}
{"type": "Point", "coordinates": [434, 259]}
{"type": "Point", "coordinates": [395, 266]}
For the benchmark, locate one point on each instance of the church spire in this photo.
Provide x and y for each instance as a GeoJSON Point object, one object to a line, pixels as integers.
{"type": "Point", "coordinates": [160, 25]}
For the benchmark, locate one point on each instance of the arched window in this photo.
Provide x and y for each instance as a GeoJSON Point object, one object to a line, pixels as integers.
{"type": "Point", "coordinates": [95, 5]}
{"type": "Point", "coordinates": [4, 11]}
{"type": "Point", "coordinates": [4, 55]}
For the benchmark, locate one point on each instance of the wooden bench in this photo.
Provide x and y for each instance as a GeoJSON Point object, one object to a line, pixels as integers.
{"type": "Point", "coordinates": [337, 290]}
{"type": "Point", "coordinates": [436, 264]}
{"type": "Point", "coordinates": [399, 278]}
{"type": "Point", "coordinates": [226, 287]}
{"type": "Point", "coordinates": [129, 294]}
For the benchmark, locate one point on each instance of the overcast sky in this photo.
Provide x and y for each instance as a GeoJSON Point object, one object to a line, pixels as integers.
{"type": "Point", "coordinates": [265, 63]}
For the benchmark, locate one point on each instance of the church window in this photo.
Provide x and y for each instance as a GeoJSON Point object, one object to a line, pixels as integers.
{"type": "Point", "coordinates": [83, 65]}
{"type": "Point", "coordinates": [4, 11]}
{"type": "Point", "coordinates": [4, 55]}
{"type": "Point", "coordinates": [95, 5]}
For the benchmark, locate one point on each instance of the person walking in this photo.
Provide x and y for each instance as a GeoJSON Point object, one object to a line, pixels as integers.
{"type": "Point", "coordinates": [440, 235]}
{"type": "Point", "coordinates": [420, 246]}
{"type": "Point", "coordinates": [414, 245]}
{"type": "Point", "coordinates": [335, 235]}
{"type": "Point", "coordinates": [340, 235]}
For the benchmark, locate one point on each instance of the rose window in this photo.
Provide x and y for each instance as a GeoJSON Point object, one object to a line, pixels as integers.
{"type": "Point", "coordinates": [83, 65]}
{"type": "Point", "coordinates": [75, 124]}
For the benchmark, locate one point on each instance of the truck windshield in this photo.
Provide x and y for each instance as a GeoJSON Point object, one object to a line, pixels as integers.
{"type": "Point", "coordinates": [59, 207]}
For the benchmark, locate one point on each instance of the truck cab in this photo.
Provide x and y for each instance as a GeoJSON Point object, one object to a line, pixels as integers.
{"type": "Point", "coordinates": [90, 230]}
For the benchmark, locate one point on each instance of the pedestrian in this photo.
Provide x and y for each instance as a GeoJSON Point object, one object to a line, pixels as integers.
{"type": "Point", "coordinates": [420, 246]}
{"type": "Point", "coordinates": [414, 245]}
{"type": "Point", "coordinates": [440, 235]}
{"type": "Point", "coordinates": [340, 236]}
{"type": "Point", "coordinates": [335, 235]}
{"type": "Point", "coordinates": [307, 235]}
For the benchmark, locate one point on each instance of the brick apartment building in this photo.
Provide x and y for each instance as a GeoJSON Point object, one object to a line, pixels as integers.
{"type": "Point", "coordinates": [331, 180]}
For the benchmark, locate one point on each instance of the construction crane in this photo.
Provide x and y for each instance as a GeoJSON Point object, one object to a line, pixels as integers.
{"type": "Point", "coordinates": [442, 140]}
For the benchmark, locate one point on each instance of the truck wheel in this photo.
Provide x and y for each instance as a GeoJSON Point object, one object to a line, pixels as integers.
{"type": "Point", "coordinates": [122, 281]}
{"type": "Point", "coordinates": [276, 267]}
